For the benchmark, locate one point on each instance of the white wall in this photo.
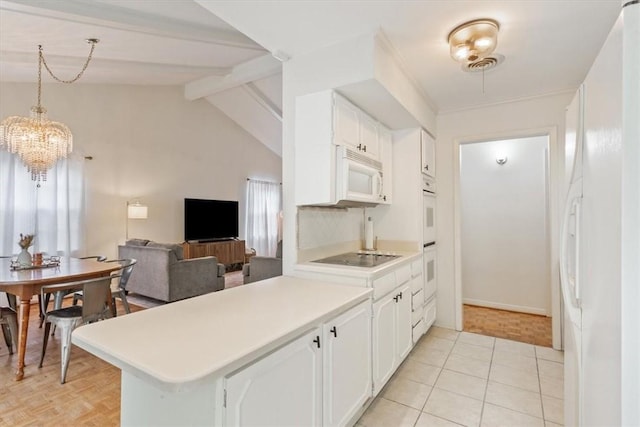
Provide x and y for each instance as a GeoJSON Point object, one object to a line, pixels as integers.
{"type": "Point", "coordinates": [503, 225]}
{"type": "Point", "coordinates": [148, 142]}
{"type": "Point", "coordinates": [513, 119]}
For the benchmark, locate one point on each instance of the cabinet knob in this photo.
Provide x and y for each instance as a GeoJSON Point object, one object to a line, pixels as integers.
{"type": "Point", "coordinates": [364, 148]}
{"type": "Point", "coordinates": [317, 341]}
{"type": "Point", "coordinates": [359, 147]}
{"type": "Point", "coordinates": [396, 298]}
{"type": "Point", "coordinates": [427, 167]}
{"type": "Point", "coordinates": [400, 295]}
{"type": "Point", "coordinates": [334, 331]}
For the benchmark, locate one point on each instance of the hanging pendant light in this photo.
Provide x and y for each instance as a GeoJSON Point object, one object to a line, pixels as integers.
{"type": "Point", "coordinates": [38, 141]}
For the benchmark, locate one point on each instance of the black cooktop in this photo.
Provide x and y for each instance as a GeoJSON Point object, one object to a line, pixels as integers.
{"type": "Point", "coordinates": [358, 259]}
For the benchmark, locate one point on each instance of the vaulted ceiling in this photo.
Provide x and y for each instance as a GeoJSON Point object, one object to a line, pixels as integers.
{"type": "Point", "coordinates": [222, 50]}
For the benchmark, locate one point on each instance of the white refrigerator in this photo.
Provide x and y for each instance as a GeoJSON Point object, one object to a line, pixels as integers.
{"type": "Point", "coordinates": [600, 235]}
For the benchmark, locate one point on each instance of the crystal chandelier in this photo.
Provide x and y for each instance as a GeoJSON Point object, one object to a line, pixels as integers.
{"type": "Point", "coordinates": [38, 141]}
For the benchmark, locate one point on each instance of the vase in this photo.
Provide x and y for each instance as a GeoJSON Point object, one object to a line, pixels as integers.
{"type": "Point", "coordinates": [24, 258]}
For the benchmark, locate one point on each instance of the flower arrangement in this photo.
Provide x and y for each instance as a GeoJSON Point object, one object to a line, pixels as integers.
{"type": "Point", "coordinates": [26, 240]}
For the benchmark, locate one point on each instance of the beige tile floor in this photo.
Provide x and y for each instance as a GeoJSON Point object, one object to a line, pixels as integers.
{"type": "Point", "coordinates": [458, 378]}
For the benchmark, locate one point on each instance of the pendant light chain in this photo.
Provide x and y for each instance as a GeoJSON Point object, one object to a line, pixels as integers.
{"type": "Point", "coordinates": [92, 42]}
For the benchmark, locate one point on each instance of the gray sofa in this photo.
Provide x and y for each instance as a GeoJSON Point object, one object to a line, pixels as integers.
{"type": "Point", "coordinates": [263, 267]}
{"type": "Point", "coordinates": [163, 274]}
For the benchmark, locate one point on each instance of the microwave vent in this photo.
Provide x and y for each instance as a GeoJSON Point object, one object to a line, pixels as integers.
{"type": "Point", "coordinates": [361, 158]}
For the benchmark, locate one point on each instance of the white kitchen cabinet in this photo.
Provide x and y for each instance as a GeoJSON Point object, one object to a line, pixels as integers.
{"type": "Point", "coordinates": [346, 365]}
{"type": "Point", "coordinates": [386, 153]}
{"type": "Point", "coordinates": [283, 388]}
{"type": "Point", "coordinates": [321, 378]}
{"type": "Point", "coordinates": [391, 334]}
{"type": "Point", "coordinates": [346, 122]}
{"type": "Point", "coordinates": [369, 133]}
{"type": "Point", "coordinates": [428, 154]}
{"type": "Point", "coordinates": [325, 121]}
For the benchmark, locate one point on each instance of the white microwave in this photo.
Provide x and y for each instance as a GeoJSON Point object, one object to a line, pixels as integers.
{"type": "Point", "coordinates": [358, 178]}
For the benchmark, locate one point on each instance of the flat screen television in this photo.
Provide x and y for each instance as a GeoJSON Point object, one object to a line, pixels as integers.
{"type": "Point", "coordinates": [209, 220]}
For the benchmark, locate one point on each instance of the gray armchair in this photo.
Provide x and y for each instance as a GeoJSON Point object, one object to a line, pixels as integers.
{"type": "Point", "coordinates": [263, 267]}
{"type": "Point", "coordinates": [163, 274]}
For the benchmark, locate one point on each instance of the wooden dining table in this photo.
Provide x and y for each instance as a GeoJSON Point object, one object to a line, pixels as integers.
{"type": "Point", "coordinates": [24, 284]}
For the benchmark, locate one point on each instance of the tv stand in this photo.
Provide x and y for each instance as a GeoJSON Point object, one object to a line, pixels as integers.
{"type": "Point", "coordinates": [227, 251]}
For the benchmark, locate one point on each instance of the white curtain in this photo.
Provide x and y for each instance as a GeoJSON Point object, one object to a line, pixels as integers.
{"type": "Point", "coordinates": [54, 212]}
{"type": "Point", "coordinates": [262, 218]}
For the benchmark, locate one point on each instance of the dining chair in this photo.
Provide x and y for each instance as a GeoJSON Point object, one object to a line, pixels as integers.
{"type": "Point", "coordinates": [58, 296]}
{"type": "Point", "coordinates": [10, 297]}
{"type": "Point", "coordinates": [9, 324]}
{"type": "Point", "coordinates": [119, 291]}
{"type": "Point", "coordinates": [95, 306]}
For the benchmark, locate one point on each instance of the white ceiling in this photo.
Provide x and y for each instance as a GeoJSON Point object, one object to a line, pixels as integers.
{"type": "Point", "coordinates": [548, 45]}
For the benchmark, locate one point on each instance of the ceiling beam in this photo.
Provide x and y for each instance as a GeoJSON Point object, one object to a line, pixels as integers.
{"type": "Point", "coordinates": [255, 69]}
{"type": "Point", "coordinates": [63, 62]}
{"type": "Point", "coordinates": [263, 100]}
{"type": "Point", "coordinates": [109, 16]}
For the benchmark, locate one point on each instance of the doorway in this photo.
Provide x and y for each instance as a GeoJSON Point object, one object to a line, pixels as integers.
{"type": "Point", "coordinates": [503, 227]}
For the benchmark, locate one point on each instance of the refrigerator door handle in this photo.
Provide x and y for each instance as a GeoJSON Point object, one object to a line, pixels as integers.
{"type": "Point", "coordinates": [574, 199]}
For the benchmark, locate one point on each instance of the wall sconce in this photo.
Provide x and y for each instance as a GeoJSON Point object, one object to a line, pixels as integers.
{"type": "Point", "coordinates": [501, 160]}
{"type": "Point", "coordinates": [135, 210]}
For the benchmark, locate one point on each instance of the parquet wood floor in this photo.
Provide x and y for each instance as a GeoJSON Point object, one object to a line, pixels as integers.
{"type": "Point", "coordinates": [523, 327]}
{"type": "Point", "coordinates": [90, 397]}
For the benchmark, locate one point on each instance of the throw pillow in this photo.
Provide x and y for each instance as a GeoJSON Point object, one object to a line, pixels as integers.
{"type": "Point", "coordinates": [137, 242]}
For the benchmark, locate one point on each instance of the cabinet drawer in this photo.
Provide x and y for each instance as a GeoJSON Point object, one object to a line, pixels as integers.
{"type": "Point", "coordinates": [417, 284]}
{"type": "Point", "coordinates": [417, 315]}
{"type": "Point", "coordinates": [430, 314]}
{"type": "Point", "coordinates": [384, 285]}
{"type": "Point", "coordinates": [417, 331]}
{"type": "Point", "coordinates": [416, 267]}
{"type": "Point", "coordinates": [403, 274]}
{"type": "Point", "coordinates": [417, 300]}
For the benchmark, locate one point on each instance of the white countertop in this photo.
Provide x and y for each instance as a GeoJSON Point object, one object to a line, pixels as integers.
{"type": "Point", "coordinates": [359, 272]}
{"type": "Point", "coordinates": [184, 343]}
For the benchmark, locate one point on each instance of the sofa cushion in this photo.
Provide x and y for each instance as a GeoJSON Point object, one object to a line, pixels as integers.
{"type": "Point", "coordinates": [137, 242]}
{"type": "Point", "coordinates": [221, 270]}
{"type": "Point", "coordinates": [177, 249]}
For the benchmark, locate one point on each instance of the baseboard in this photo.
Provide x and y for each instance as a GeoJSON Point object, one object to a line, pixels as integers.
{"type": "Point", "coordinates": [509, 307]}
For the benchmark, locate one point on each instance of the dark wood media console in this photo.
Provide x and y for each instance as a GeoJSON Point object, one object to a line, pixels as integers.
{"type": "Point", "coordinates": [227, 251]}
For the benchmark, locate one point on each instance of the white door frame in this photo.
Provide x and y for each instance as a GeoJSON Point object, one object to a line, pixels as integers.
{"type": "Point", "coordinates": [553, 215]}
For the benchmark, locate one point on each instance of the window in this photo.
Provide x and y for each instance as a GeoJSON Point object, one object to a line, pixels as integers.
{"type": "Point", "coordinates": [263, 222]}
{"type": "Point", "coordinates": [54, 212]}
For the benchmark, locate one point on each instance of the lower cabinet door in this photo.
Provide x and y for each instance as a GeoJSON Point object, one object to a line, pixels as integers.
{"type": "Point", "coordinates": [282, 389]}
{"type": "Point", "coordinates": [403, 323]}
{"type": "Point", "coordinates": [347, 364]}
{"type": "Point", "coordinates": [384, 337]}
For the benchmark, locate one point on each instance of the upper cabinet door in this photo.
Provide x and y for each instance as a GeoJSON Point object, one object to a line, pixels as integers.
{"type": "Point", "coordinates": [428, 154]}
{"type": "Point", "coordinates": [346, 124]}
{"type": "Point", "coordinates": [369, 143]}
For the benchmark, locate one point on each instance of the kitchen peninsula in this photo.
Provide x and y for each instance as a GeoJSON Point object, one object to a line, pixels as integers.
{"type": "Point", "coordinates": [281, 351]}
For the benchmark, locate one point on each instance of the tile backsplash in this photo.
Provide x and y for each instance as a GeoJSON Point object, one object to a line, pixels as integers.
{"type": "Point", "coordinates": [318, 227]}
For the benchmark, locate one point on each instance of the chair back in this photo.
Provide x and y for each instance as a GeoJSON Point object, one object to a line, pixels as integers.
{"type": "Point", "coordinates": [95, 296]}
{"type": "Point", "coordinates": [125, 271]}
{"type": "Point", "coordinates": [99, 258]}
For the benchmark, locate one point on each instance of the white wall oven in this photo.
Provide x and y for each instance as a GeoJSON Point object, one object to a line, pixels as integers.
{"type": "Point", "coordinates": [429, 210]}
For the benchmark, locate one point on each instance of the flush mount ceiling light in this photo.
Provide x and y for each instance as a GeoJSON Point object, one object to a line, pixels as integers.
{"type": "Point", "coordinates": [473, 40]}
{"type": "Point", "coordinates": [38, 141]}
